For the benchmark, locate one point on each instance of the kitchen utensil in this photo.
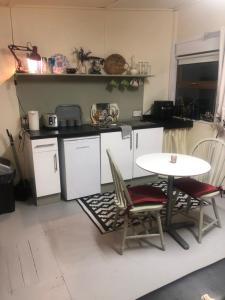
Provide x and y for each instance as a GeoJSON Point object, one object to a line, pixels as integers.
{"type": "Point", "coordinates": [69, 112]}
{"type": "Point", "coordinates": [71, 70]}
{"type": "Point", "coordinates": [62, 123]}
{"type": "Point", "coordinates": [115, 64]}
{"type": "Point", "coordinates": [33, 119]}
{"type": "Point", "coordinates": [134, 83]}
{"type": "Point", "coordinates": [71, 123]}
{"type": "Point", "coordinates": [50, 120]}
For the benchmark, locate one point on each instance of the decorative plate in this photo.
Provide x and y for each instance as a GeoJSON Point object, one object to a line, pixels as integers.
{"type": "Point", "coordinates": [115, 64]}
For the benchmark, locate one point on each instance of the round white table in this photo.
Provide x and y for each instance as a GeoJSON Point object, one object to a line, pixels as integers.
{"type": "Point", "coordinates": [185, 166]}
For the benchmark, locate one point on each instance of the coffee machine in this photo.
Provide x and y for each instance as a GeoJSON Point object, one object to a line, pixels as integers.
{"type": "Point", "coordinates": [162, 110]}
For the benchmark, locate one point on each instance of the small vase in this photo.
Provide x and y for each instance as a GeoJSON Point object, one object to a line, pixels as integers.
{"type": "Point", "coordinates": [82, 68]}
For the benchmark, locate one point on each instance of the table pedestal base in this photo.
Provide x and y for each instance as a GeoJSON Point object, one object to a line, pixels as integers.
{"type": "Point", "coordinates": [171, 230]}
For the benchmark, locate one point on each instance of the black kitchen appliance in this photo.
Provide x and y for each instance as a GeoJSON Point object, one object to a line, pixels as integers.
{"type": "Point", "coordinates": [162, 110]}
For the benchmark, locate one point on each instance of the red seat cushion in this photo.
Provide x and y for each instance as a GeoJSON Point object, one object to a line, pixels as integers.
{"type": "Point", "coordinates": [143, 194]}
{"type": "Point", "coordinates": [195, 188]}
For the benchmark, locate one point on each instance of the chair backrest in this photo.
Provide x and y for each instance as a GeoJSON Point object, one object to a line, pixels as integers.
{"type": "Point", "coordinates": [123, 198]}
{"type": "Point", "coordinates": [213, 151]}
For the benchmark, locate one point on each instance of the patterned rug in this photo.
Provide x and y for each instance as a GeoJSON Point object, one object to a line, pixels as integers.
{"type": "Point", "coordinates": [101, 208]}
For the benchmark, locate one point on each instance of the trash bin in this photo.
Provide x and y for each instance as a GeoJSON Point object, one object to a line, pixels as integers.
{"type": "Point", "coordinates": [7, 174]}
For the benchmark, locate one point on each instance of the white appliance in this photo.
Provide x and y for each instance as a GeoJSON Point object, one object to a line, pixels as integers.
{"type": "Point", "coordinates": [50, 120]}
{"type": "Point", "coordinates": [80, 166]}
{"type": "Point", "coordinates": [33, 119]}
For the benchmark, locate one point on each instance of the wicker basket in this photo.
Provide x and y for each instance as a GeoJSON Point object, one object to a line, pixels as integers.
{"type": "Point", "coordinates": [115, 64]}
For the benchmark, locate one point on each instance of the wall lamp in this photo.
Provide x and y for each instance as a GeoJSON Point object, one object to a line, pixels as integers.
{"type": "Point", "coordinates": [32, 58]}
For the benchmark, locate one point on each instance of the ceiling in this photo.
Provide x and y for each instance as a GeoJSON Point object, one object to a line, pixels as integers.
{"type": "Point", "coordinates": [118, 4]}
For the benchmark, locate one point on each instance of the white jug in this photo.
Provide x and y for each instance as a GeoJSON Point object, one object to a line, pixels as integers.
{"type": "Point", "coordinates": [33, 119]}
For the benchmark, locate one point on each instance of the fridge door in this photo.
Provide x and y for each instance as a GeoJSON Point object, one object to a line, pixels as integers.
{"type": "Point", "coordinates": [82, 167]}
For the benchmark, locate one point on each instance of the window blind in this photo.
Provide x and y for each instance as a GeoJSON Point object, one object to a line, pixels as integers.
{"type": "Point", "coordinates": [198, 58]}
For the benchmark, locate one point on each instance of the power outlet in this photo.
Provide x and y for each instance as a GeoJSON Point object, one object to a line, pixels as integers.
{"type": "Point", "coordinates": [137, 113]}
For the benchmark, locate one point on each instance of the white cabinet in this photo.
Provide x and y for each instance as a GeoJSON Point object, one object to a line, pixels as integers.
{"type": "Point", "coordinates": [126, 151]}
{"type": "Point", "coordinates": [80, 167]}
{"type": "Point", "coordinates": [146, 141]}
{"type": "Point", "coordinates": [46, 166]}
{"type": "Point", "coordinates": [122, 152]}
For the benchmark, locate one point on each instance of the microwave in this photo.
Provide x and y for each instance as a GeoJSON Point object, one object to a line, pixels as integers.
{"type": "Point", "coordinates": [162, 110]}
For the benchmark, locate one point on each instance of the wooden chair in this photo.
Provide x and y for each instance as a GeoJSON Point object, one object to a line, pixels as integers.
{"type": "Point", "coordinates": [205, 187]}
{"type": "Point", "coordinates": [136, 202]}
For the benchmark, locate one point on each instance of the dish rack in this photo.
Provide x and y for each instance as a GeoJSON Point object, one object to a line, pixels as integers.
{"type": "Point", "coordinates": [68, 115]}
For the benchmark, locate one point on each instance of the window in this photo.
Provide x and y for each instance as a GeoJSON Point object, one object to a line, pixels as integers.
{"type": "Point", "coordinates": [196, 86]}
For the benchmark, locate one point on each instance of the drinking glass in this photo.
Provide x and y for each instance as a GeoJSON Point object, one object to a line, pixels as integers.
{"type": "Point", "coordinates": [146, 68]}
{"type": "Point", "coordinates": [140, 67]}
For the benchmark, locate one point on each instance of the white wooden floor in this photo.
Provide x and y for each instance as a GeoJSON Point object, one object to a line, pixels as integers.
{"type": "Point", "coordinates": [55, 252]}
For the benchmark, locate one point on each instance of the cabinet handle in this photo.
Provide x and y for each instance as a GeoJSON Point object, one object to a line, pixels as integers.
{"type": "Point", "coordinates": [83, 147]}
{"type": "Point", "coordinates": [44, 146]}
{"type": "Point", "coordinates": [136, 140]}
{"type": "Point", "coordinates": [55, 163]}
{"type": "Point", "coordinates": [131, 141]}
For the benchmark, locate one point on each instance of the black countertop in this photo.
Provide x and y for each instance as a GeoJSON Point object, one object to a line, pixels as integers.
{"type": "Point", "coordinates": [87, 129]}
{"type": "Point", "coordinates": [173, 123]}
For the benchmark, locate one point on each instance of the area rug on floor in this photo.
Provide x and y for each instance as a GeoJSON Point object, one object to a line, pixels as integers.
{"type": "Point", "coordinates": [101, 208]}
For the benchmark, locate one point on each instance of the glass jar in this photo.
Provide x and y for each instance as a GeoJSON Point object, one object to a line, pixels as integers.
{"type": "Point", "coordinates": [146, 68]}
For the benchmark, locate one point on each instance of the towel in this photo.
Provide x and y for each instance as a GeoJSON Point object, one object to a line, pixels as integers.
{"type": "Point", "coordinates": [126, 131]}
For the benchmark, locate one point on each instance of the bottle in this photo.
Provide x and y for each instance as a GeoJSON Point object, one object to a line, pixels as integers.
{"type": "Point", "coordinates": [51, 63]}
{"type": "Point", "coordinates": [44, 65]}
{"type": "Point", "coordinates": [133, 67]}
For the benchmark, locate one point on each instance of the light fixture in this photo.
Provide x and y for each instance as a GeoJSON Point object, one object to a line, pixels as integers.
{"type": "Point", "coordinates": [33, 58]}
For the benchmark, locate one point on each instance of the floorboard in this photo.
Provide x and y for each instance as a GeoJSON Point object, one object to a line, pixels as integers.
{"type": "Point", "coordinates": [55, 252]}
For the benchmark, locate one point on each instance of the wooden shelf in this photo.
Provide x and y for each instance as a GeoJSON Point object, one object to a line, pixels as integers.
{"type": "Point", "coordinates": [84, 75]}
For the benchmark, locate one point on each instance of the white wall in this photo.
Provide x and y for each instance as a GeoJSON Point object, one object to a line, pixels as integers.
{"type": "Point", "coordinates": [148, 36]}
{"type": "Point", "coordinates": [203, 16]}
{"type": "Point", "coordinates": [192, 22]}
{"type": "Point", "coordinates": [9, 111]}
{"type": "Point", "coordinates": [145, 34]}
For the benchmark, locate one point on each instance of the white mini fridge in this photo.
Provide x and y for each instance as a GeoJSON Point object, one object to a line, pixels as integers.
{"type": "Point", "coordinates": [80, 166]}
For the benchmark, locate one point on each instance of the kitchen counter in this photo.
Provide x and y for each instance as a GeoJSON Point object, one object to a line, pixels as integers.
{"type": "Point", "coordinates": [173, 123]}
{"type": "Point", "coordinates": [84, 130]}
{"type": "Point", "coordinates": [88, 130]}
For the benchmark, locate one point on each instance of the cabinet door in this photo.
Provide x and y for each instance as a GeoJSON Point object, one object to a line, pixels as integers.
{"type": "Point", "coordinates": [82, 167]}
{"type": "Point", "coordinates": [46, 172]}
{"type": "Point", "coordinates": [146, 141]}
{"type": "Point", "coordinates": [122, 152]}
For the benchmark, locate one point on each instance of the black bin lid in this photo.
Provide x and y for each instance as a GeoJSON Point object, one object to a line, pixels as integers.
{"type": "Point", "coordinates": [6, 170]}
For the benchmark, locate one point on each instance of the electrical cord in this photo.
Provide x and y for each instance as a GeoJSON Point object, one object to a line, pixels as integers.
{"type": "Point", "coordinates": [22, 136]}
{"type": "Point", "coordinates": [20, 104]}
